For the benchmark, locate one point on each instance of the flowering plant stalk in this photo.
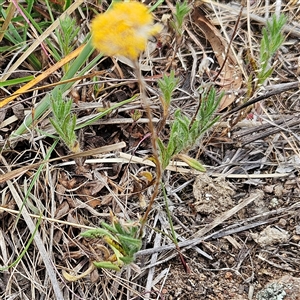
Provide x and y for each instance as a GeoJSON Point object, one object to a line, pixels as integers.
{"type": "Point", "coordinates": [124, 30]}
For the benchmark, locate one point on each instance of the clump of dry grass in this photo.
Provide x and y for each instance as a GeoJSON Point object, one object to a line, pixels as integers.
{"type": "Point", "coordinates": [56, 196]}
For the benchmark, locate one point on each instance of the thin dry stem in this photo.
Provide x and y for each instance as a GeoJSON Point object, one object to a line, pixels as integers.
{"type": "Point", "coordinates": [153, 132]}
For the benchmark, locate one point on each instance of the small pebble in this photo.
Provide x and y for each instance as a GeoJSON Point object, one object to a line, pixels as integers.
{"type": "Point", "coordinates": [228, 275]}
{"type": "Point", "coordinates": [278, 190]}
{"type": "Point", "coordinates": [202, 277]}
{"type": "Point", "coordinates": [282, 222]}
{"type": "Point", "coordinates": [296, 238]}
{"type": "Point", "coordinates": [269, 189]}
{"type": "Point", "coordinates": [274, 203]}
{"type": "Point", "coordinates": [231, 261]}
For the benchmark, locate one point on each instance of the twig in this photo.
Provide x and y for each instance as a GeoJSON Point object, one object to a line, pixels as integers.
{"type": "Point", "coordinates": [152, 270]}
{"type": "Point", "coordinates": [274, 90]}
{"type": "Point", "coordinates": [20, 171]}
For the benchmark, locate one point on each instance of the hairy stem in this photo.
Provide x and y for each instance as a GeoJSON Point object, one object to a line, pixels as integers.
{"type": "Point", "coordinates": [152, 129]}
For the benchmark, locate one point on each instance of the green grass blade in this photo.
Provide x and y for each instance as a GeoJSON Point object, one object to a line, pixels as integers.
{"type": "Point", "coordinates": [16, 81]}
{"type": "Point", "coordinates": [45, 102]}
{"type": "Point", "coordinates": [24, 251]}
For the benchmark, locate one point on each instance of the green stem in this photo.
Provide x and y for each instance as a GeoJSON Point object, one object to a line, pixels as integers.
{"type": "Point", "coordinates": [174, 238]}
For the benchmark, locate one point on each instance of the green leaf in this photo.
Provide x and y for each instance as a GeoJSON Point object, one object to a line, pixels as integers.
{"type": "Point", "coordinates": [161, 145]}
{"type": "Point", "coordinates": [108, 227]}
{"type": "Point", "coordinates": [127, 259]}
{"type": "Point", "coordinates": [106, 265]}
{"type": "Point", "coordinates": [97, 233]}
{"type": "Point", "coordinates": [167, 85]}
{"type": "Point", "coordinates": [181, 11]}
{"type": "Point", "coordinates": [57, 128]}
{"type": "Point", "coordinates": [193, 163]}
{"type": "Point", "coordinates": [272, 39]}
{"type": "Point", "coordinates": [16, 81]}
{"type": "Point", "coordinates": [129, 244]}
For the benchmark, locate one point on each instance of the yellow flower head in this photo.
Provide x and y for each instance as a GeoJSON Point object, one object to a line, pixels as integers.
{"type": "Point", "coordinates": [123, 30]}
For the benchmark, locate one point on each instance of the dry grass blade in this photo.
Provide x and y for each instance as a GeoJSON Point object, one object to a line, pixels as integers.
{"type": "Point", "coordinates": [183, 168]}
{"type": "Point", "coordinates": [41, 38]}
{"type": "Point", "coordinates": [223, 217]}
{"type": "Point", "coordinates": [51, 270]}
{"type": "Point", "coordinates": [12, 174]}
{"type": "Point", "coordinates": [52, 220]}
{"type": "Point", "coordinates": [231, 76]}
{"type": "Point", "coordinates": [270, 91]}
{"type": "Point", "coordinates": [41, 77]}
{"type": "Point", "coordinates": [292, 30]}
{"type": "Point", "coordinates": [214, 216]}
{"type": "Point", "coordinates": [148, 287]}
{"type": "Point", "coordinates": [11, 11]}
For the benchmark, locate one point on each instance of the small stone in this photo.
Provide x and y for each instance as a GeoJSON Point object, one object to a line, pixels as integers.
{"type": "Point", "coordinates": [202, 277]}
{"type": "Point", "coordinates": [270, 236]}
{"type": "Point", "coordinates": [296, 238]}
{"type": "Point", "coordinates": [297, 229]}
{"type": "Point", "coordinates": [269, 189]}
{"type": "Point", "coordinates": [228, 275]}
{"type": "Point", "coordinates": [231, 261]}
{"type": "Point", "coordinates": [282, 222]}
{"type": "Point", "coordinates": [274, 203]}
{"type": "Point", "coordinates": [241, 288]}
{"type": "Point", "coordinates": [278, 189]}
{"type": "Point", "coordinates": [289, 184]}
{"type": "Point", "coordinates": [178, 292]}
{"type": "Point", "coordinates": [272, 291]}
{"type": "Point", "coordinates": [286, 287]}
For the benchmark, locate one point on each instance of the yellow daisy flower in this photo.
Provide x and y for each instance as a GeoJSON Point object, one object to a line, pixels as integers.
{"type": "Point", "coordinates": [123, 30]}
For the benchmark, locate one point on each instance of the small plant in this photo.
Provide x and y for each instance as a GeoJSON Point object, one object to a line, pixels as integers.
{"type": "Point", "coordinates": [186, 132]}
{"type": "Point", "coordinates": [181, 11]}
{"type": "Point", "coordinates": [64, 122]}
{"type": "Point", "coordinates": [124, 30]}
{"type": "Point", "coordinates": [66, 36]}
{"type": "Point", "coordinates": [167, 86]}
{"type": "Point", "coordinates": [122, 240]}
{"type": "Point", "coordinates": [261, 68]}
{"type": "Point", "coordinates": [270, 43]}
